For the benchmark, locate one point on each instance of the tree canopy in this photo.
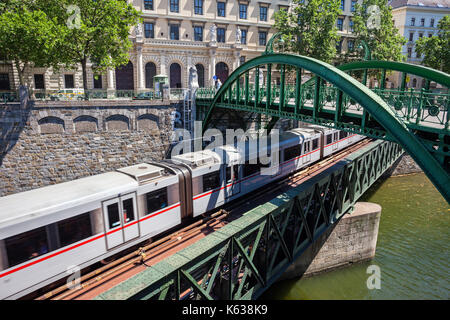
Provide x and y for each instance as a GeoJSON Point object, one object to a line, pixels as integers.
{"type": "Point", "coordinates": [436, 49]}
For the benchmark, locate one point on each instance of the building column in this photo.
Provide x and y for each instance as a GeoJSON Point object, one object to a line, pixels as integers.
{"type": "Point", "coordinates": [163, 65]}
{"type": "Point", "coordinates": [140, 70]}
{"type": "Point", "coordinates": [110, 79]}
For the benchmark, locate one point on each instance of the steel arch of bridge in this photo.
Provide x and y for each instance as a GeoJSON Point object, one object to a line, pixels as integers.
{"type": "Point", "coordinates": [387, 125]}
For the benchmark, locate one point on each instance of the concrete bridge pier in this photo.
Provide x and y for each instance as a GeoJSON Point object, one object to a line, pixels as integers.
{"type": "Point", "coordinates": [353, 239]}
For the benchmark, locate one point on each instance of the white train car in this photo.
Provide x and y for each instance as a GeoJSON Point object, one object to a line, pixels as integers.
{"type": "Point", "coordinates": [45, 232]}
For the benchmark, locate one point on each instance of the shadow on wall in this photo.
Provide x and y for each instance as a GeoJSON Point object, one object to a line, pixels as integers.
{"type": "Point", "coordinates": [13, 118]}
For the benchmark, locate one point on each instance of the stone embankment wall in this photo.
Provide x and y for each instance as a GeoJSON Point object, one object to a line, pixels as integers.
{"type": "Point", "coordinates": [47, 143]}
{"type": "Point", "coordinates": [352, 240]}
{"type": "Point", "coordinates": [404, 165]}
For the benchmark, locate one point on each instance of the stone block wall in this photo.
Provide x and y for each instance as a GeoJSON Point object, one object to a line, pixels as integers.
{"type": "Point", "coordinates": [48, 143]}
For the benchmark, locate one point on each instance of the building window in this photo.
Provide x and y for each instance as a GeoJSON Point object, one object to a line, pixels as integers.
{"type": "Point", "coordinates": [149, 29]}
{"type": "Point", "coordinates": [148, 4]}
{"type": "Point", "coordinates": [156, 200]}
{"type": "Point", "coordinates": [430, 35]}
{"type": "Point", "coordinates": [211, 181]}
{"type": "Point", "coordinates": [413, 21]}
{"type": "Point", "coordinates": [342, 5]}
{"type": "Point", "coordinates": [340, 24]}
{"type": "Point", "coordinates": [262, 38]}
{"type": "Point", "coordinates": [221, 9]}
{"type": "Point", "coordinates": [174, 6]}
{"type": "Point", "coordinates": [98, 83]}
{"type": "Point", "coordinates": [292, 152]}
{"type": "Point", "coordinates": [242, 11]}
{"type": "Point", "coordinates": [263, 13]}
{"type": "Point", "coordinates": [198, 33]}
{"type": "Point", "coordinates": [69, 81]}
{"type": "Point", "coordinates": [414, 82]}
{"type": "Point", "coordinates": [411, 36]}
{"type": "Point", "coordinates": [242, 60]}
{"type": "Point", "coordinates": [409, 52]}
{"type": "Point", "coordinates": [351, 25]}
{"type": "Point", "coordinates": [174, 32]}
{"type": "Point", "coordinates": [339, 46]}
{"type": "Point", "coordinates": [350, 45]}
{"type": "Point", "coordinates": [422, 22]}
{"type": "Point", "coordinates": [420, 35]}
{"type": "Point", "coordinates": [432, 23]}
{"type": "Point", "coordinates": [150, 72]}
{"type": "Point", "coordinates": [74, 229]}
{"type": "Point", "coordinates": [4, 81]}
{"type": "Point", "coordinates": [220, 34]}
{"type": "Point", "coordinates": [198, 6]}
{"type": "Point", "coordinates": [175, 75]}
{"type": "Point", "coordinates": [39, 82]}
{"type": "Point", "coordinates": [243, 36]}
{"type": "Point", "coordinates": [353, 8]}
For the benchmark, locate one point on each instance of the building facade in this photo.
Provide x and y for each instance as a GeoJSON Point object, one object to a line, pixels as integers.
{"type": "Point", "coordinates": [416, 19]}
{"type": "Point", "coordinates": [216, 36]}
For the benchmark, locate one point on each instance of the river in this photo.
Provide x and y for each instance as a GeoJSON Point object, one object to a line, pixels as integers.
{"type": "Point", "coordinates": [412, 250]}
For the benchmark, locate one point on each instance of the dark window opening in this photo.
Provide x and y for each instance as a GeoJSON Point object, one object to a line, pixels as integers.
{"type": "Point", "coordinates": [128, 210]}
{"type": "Point", "coordinates": [315, 144]}
{"type": "Point", "coordinates": [198, 33]}
{"type": "Point", "coordinates": [342, 134]}
{"type": "Point", "coordinates": [198, 6]}
{"type": "Point", "coordinates": [26, 246]}
{"type": "Point", "coordinates": [74, 229]}
{"type": "Point", "coordinates": [4, 81]}
{"type": "Point", "coordinates": [69, 81]}
{"type": "Point", "coordinates": [220, 34]}
{"type": "Point", "coordinates": [242, 11]}
{"type": "Point", "coordinates": [39, 82]}
{"type": "Point", "coordinates": [292, 152]}
{"type": "Point", "coordinates": [148, 4]}
{"type": "Point", "coordinates": [113, 215]}
{"type": "Point", "coordinates": [156, 200]}
{"type": "Point", "coordinates": [211, 181]}
{"type": "Point", "coordinates": [263, 13]}
{"type": "Point", "coordinates": [221, 9]}
{"type": "Point", "coordinates": [174, 6]}
{"type": "Point", "coordinates": [149, 30]}
{"type": "Point", "coordinates": [98, 82]}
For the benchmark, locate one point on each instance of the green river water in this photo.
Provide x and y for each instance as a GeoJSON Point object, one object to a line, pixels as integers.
{"type": "Point", "coordinates": [411, 250]}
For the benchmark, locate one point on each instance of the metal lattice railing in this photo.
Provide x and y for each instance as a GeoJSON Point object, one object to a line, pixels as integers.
{"type": "Point", "coordinates": [241, 260]}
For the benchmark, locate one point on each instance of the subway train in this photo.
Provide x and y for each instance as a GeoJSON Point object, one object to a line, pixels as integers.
{"type": "Point", "coordinates": [46, 232]}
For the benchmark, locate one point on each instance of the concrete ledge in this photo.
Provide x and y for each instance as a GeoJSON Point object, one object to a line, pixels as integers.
{"type": "Point", "coordinates": [353, 239]}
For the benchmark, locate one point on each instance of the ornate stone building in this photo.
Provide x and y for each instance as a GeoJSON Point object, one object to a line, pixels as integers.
{"type": "Point", "coordinates": [213, 35]}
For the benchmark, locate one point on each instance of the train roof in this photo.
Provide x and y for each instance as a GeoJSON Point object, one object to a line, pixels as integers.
{"type": "Point", "coordinates": [198, 159]}
{"type": "Point", "coordinates": [35, 203]}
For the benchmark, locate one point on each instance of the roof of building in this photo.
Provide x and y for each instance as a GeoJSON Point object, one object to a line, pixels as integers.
{"type": "Point", "coordinates": [420, 3]}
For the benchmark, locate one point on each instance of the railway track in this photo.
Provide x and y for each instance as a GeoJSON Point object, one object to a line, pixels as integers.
{"type": "Point", "coordinates": [151, 251]}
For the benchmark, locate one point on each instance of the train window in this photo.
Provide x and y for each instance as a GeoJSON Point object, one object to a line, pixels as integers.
{"type": "Point", "coordinates": [342, 134]}
{"type": "Point", "coordinates": [113, 215]}
{"type": "Point", "coordinates": [26, 246]}
{"type": "Point", "coordinates": [156, 200]}
{"type": "Point", "coordinates": [329, 138]}
{"type": "Point", "coordinates": [315, 144]}
{"type": "Point", "coordinates": [236, 172]}
{"type": "Point", "coordinates": [292, 152]}
{"type": "Point", "coordinates": [250, 169]}
{"type": "Point", "coordinates": [307, 147]}
{"type": "Point", "coordinates": [128, 210]}
{"type": "Point", "coordinates": [74, 229]}
{"type": "Point", "coordinates": [211, 181]}
{"type": "Point", "coordinates": [336, 135]}
{"type": "Point", "coordinates": [228, 174]}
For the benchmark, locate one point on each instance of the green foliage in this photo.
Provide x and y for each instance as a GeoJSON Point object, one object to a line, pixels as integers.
{"type": "Point", "coordinates": [27, 36]}
{"type": "Point", "coordinates": [310, 28]}
{"type": "Point", "coordinates": [436, 50]}
{"type": "Point", "coordinates": [381, 36]}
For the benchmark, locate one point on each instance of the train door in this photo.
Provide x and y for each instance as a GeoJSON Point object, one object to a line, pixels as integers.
{"type": "Point", "coordinates": [120, 220]}
{"type": "Point", "coordinates": [335, 145]}
{"type": "Point", "coordinates": [306, 151]}
{"type": "Point", "coordinates": [233, 185]}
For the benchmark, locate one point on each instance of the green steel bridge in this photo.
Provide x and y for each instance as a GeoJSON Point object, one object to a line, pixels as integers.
{"type": "Point", "coordinates": [244, 258]}
{"type": "Point", "coordinates": [334, 97]}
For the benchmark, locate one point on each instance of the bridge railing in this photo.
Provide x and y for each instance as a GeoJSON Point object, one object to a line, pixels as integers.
{"type": "Point", "coordinates": [241, 260]}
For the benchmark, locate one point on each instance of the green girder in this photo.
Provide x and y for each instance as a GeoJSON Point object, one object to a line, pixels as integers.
{"type": "Point", "coordinates": [396, 129]}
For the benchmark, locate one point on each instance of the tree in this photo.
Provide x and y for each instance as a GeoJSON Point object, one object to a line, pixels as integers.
{"type": "Point", "coordinates": [436, 49]}
{"type": "Point", "coordinates": [27, 36]}
{"type": "Point", "coordinates": [373, 23]}
{"type": "Point", "coordinates": [95, 31]}
{"type": "Point", "coordinates": [310, 28]}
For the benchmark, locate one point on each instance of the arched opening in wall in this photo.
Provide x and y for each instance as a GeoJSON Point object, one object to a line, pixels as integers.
{"type": "Point", "coordinates": [150, 72]}
{"type": "Point", "coordinates": [222, 71]}
{"type": "Point", "coordinates": [51, 125]}
{"type": "Point", "coordinates": [147, 122]}
{"type": "Point", "coordinates": [200, 75]}
{"type": "Point", "coordinates": [175, 75]}
{"type": "Point", "coordinates": [85, 124]}
{"type": "Point", "coordinates": [125, 77]}
{"type": "Point", "coordinates": [117, 122]}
